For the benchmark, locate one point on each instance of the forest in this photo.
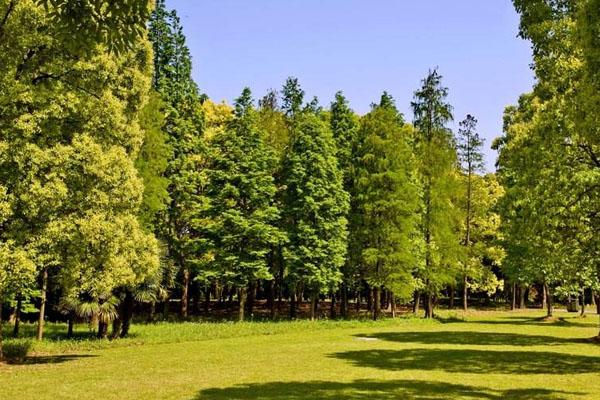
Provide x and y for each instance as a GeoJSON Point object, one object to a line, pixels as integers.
{"type": "Point", "coordinates": [127, 195]}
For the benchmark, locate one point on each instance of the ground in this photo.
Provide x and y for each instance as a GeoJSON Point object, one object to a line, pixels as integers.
{"type": "Point", "coordinates": [480, 355]}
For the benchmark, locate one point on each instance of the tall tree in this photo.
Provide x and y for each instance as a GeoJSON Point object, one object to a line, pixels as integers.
{"type": "Point", "coordinates": [241, 191]}
{"type": "Point", "coordinates": [437, 161]}
{"type": "Point", "coordinates": [184, 124]}
{"type": "Point", "coordinates": [344, 124]}
{"type": "Point", "coordinates": [388, 199]}
{"type": "Point", "coordinates": [315, 203]}
{"type": "Point", "coordinates": [471, 159]}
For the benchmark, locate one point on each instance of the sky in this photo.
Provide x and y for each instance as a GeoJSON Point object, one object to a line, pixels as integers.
{"type": "Point", "coordinates": [363, 48]}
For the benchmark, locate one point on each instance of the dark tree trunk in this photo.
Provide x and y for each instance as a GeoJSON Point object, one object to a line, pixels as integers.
{"type": "Point", "coordinates": [416, 301]}
{"type": "Point", "coordinates": [522, 296]}
{"type": "Point", "coordinates": [42, 314]}
{"type": "Point", "coordinates": [102, 330]}
{"type": "Point", "coordinates": [206, 300]}
{"type": "Point", "coordinates": [597, 301]}
{"type": "Point", "coordinates": [451, 297]}
{"type": "Point", "coordinates": [271, 299]}
{"type": "Point", "coordinates": [370, 300]}
{"type": "Point", "coordinates": [549, 305]}
{"type": "Point", "coordinates": [377, 306]}
{"type": "Point", "coordinates": [117, 324]}
{"type": "Point", "coordinates": [393, 304]}
{"type": "Point", "coordinates": [429, 306]}
{"type": "Point", "coordinates": [332, 309]}
{"type": "Point", "coordinates": [513, 304]}
{"type": "Point", "coordinates": [344, 301]}
{"type": "Point", "coordinates": [313, 306]}
{"type": "Point", "coordinates": [127, 313]}
{"type": "Point", "coordinates": [17, 316]}
{"type": "Point", "coordinates": [71, 322]}
{"type": "Point", "coordinates": [242, 294]}
{"type": "Point", "coordinates": [185, 289]}
{"type": "Point", "coordinates": [293, 303]}
{"type": "Point", "coordinates": [251, 298]}
{"type": "Point", "coordinates": [152, 312]}
{"type": "Point", "coordinates": [358, 302]}
{"type": "Point", "coordinates": [465, 294]}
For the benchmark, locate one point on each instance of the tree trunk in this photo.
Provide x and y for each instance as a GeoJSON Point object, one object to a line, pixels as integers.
{"type": "Point", "coordinates": [206, 300]}
{"type": "Point", "coordinates": [370, 300]}
{"type": "Point", "coordinates": [522, 295]}
{"type": "Point", "coordinates": [417, 300]}
{"type": "Point", "coordinates": [313, 306]}
{"type": "Point", "coordinates": [343, 301]}
{"type": "Point", "coordinates": [17, 316]}
{"type": "Point", "coordinates": [377, 306]}
{"type": "Point", "coordinates": [70, 325]}
{"type": "Point", "coordinates": [250, 298]}
{"type": "Point", "coordinates": [102, 330]}
{"type": "Point", "coordinates": [242, 303]}
{"type": "Point", "coordinates": [465, 294]}
{"type": "Point", "coordinates": [42, 315]}
{"type": "Point", "coordinates": [358, 302]}
{"type": "Point", "coordinates": [544, 298]}
{"type": "Point", "coordinates": [513, 304]}
{"type": "Point", "coordinates": [332, 308]}
{"type": "Point", "coordinates": [293, 303]}
{"type": "Point", "coordinates": [429, 306]}
{"type": "Point", "coordinates": [117, 324]}
{"type": "Point", "coordinates": [127, 313]}
{"type": "Point", "coordinates": [451, 297]}
{"type": "Point", "coordinates": [597, 301]}
{"type": "Point", "coordinates": [185, 288]}
{"type": "Point", "coordinates": [393, 304]}
{"type": "Point", "coordinates": [152, 312]}
{"type": "Point", "coordinates": [271, 298]}
{"type": "Point", "coordinates": [549, 306]}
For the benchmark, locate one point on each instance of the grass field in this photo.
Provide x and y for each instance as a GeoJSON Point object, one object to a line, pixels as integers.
{"type": "Point", "coordinates": [484, 355]}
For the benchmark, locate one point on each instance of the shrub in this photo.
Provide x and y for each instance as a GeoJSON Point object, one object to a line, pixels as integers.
{"type": "Point", "coordinates": [15, 351]}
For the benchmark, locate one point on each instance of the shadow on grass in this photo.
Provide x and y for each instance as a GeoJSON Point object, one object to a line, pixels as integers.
{"type": "Point", "coordinates": [473, 361]}
{"type": "Point", "coordinates": [32, 360]}
{"type": "Point", "coordinates": [373, 390]}
{"type": "Point", "coordinates": [522, 320]}
{"type": "Point", "coordinates": [471, 338]}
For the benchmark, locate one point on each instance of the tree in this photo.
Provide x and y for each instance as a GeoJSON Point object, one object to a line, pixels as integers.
{"type": "Point", "coordinates": [241, 191]}
{"type": "Point", "coordinates": [184, 125]}
{"type": "Point", "coordinates": [388, 199]}
{"type": "Point", "coordinates": [344, 126]}
{"type": "Point", "coordinates": [315, 203]}
{"type": "Point", "coordinates": [437, 160]}
{"type": "Point", "coordinates": [471, 159]}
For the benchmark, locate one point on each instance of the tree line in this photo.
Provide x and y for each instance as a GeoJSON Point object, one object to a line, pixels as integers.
{"type": "Point", "coordinates": [123, 187]}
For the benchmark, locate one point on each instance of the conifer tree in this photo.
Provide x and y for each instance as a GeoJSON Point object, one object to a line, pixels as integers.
{"type": "Point", "coordinates": [315, 203]}
{"type": "Point", "coordinates": [471, 159]}
{"type": "Point", "coordinates": [241, 191]}
{"type": "Point", "coordinates": [388, 200]}
{"type": "Point", "coordinates": [437, 160]}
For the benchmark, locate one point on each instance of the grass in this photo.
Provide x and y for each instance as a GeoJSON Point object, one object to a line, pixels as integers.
{"type": "Point", "coordinates": [482, 355]}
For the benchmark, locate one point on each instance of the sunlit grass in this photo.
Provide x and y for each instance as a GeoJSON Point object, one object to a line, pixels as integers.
{"type": "Point", "coordinates": [480, 355]}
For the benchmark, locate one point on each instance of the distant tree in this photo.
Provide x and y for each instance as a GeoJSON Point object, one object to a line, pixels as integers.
{"type": "Point", "coordinates": [471, 158]}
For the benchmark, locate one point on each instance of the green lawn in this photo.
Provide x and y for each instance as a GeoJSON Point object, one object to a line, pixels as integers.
{"type": "Point", "coordinates": [488, 355]}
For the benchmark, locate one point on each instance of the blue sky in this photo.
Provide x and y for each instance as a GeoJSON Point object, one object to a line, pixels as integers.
{"type": "Point", "coordinates": [362, 47]}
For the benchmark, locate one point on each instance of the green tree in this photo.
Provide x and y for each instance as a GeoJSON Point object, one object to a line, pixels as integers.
{"type": "Point", "coordinates": [388, 198]}
{"type": "Point", "coordinates": [241, 191]}
{"type": "Point", "coordinates": [471, 159]}
{"type": "Point", "coordinates": [315, 204]}
{"type": "Point", "coordinates": [437, 160]}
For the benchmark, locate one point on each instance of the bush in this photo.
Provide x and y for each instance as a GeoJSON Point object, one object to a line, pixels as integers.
{"type": "Point", "coordinates": [15, 351]}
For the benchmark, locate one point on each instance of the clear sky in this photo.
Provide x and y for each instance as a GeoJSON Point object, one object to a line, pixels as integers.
{"type": "Point", "coordinates": [362, 48]}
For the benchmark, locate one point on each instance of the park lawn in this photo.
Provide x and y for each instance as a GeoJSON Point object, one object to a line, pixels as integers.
{"type": "Point", "coordinates": [483, 355]}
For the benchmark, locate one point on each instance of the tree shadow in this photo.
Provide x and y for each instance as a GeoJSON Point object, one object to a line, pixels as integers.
{"type": "Point", "coordinates": [32, 360]}
{"type": "Point", "coordinates": [373, 390]}
{"type": "Point", "coordinates": [472, 361]}
{"type": "Point", "coordinates": [521, 320]}
{"type": "Point", "coordinates": [471, 338]}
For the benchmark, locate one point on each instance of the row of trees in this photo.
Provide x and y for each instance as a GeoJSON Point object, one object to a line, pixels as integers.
{"type": "Point", "coordinates": [121, 184]}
